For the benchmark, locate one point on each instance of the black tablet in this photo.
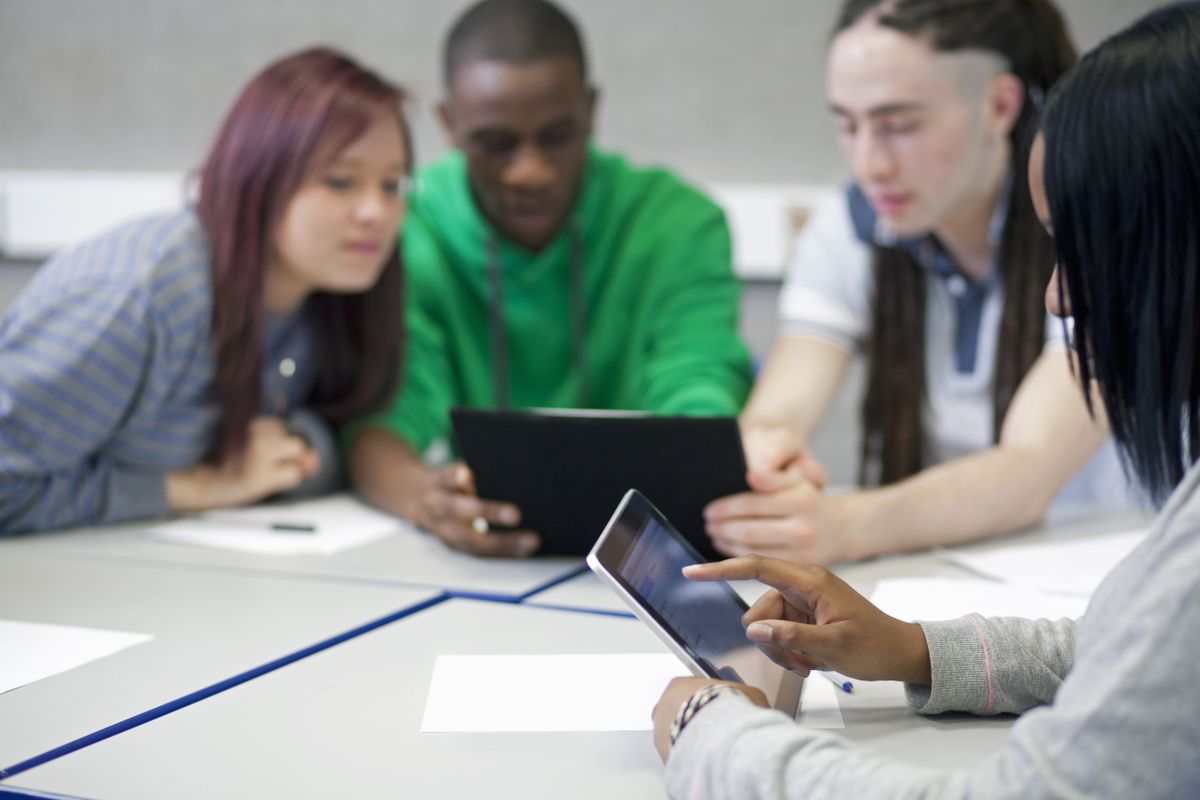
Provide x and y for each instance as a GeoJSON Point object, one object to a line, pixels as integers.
{"type": "Point", "coordinates": [642, 557]}
{"type": "Point", "coordinates": [566, 470]}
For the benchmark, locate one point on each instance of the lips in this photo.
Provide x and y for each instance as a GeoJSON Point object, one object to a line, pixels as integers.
{"type": "Point", "coordinates": [366, 247]}
{"type": "Point", "coordinates": [530, 213]}
{"type": "Point", "coordinates": [891, 204]}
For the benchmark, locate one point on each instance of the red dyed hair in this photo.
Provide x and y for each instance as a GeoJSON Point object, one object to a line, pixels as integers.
{"type": "Point", "coordinates": [292, 118]}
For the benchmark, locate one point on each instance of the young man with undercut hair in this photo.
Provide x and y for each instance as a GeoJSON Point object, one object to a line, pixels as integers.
{"type": "Point", "coordinates": [542, 272]}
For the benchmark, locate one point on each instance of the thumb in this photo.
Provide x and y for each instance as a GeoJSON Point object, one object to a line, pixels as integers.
{"type": "Point", "coordinates": [813, 471]}
{"type": "Point", "coordinates": [821, 641]}
{"type": "Point", "coordinates": [774, 480]}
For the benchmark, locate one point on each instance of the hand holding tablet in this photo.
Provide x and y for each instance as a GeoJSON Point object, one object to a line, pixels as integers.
{"type": "Point", "coordinates": [641, 556]}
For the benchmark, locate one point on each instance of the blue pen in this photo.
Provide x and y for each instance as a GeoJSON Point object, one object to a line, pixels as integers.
{"type": "Point", "coordinates": [839, 680]}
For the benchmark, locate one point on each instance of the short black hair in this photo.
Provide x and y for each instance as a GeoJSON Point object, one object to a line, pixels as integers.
{"type": "Point", "coordinates": [1122, 179]}
{"type": "Point", "coordinates": [513, 32]}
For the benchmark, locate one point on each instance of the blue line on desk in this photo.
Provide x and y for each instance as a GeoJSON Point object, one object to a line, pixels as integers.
{"type": "Point", "coordinates": [17, 793]}
{"type": "Point", "coordinates": [513, 599]}
{"type": "Point", "coordinates": [582, 569]}
{"type": "Point", "coordinates": [603, 612]}
{"type": "Point", "coordinates": [216, 688]}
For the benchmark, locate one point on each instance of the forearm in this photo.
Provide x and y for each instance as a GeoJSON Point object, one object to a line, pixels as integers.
{"type": "Point", "coordinates": [781, 400]}
{"type": "Point", "coordinates": [387, 472]}
{"type": "Point", "coordinates": [93, 495]}
{"type": "Point", "coordinates": [732, 749]}
{"type": "Point", "coordinates": [995, 491]}
{"type": "Point", "coordinates": [997, 665]}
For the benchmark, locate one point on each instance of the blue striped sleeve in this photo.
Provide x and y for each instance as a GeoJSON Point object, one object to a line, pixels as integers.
{"type": "Point", "coordinates": [72, 365]}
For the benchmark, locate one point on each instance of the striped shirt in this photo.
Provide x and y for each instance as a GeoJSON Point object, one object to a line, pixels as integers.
{"type": "Point", "coordinates": [107, 376]}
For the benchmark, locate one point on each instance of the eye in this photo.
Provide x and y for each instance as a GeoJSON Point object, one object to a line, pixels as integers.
{"type": "Point", "coordinates": [495, 145]}
{"type": "Point", "coordinates": [338, 183]}
{"type": "Point", "coordinates": [899, 127]}
{"type": "Point", "coordinates": [557, 137]}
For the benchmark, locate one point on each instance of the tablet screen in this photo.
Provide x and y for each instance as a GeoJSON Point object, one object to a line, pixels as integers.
{"type": "Point", "coordinates": [644, 556]}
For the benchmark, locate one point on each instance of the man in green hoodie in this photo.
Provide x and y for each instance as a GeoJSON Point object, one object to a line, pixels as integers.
{"type": "Point", "coordinates": [541, 273]}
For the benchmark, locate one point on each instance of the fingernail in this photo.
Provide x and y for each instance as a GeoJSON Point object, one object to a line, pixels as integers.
{"type": "Point", "coordinates": [691, 569]}
{"type": "Point", "coordinates": [527, 545]}
{"type": "Point", "coordinates": [759, 632]}
{"type": "Point", "coordinates": [508, 515]}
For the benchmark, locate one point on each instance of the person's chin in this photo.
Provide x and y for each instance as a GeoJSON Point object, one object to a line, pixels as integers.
{"type": "Point", "coordinates": [533, 230]}
{"type": "Point", "coordinates": [906, 225]}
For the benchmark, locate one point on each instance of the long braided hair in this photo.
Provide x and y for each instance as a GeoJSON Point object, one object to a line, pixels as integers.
{"type": "Point", "coordinates": [1031, 36]}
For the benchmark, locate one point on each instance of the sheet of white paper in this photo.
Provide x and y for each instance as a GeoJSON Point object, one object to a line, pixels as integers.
{"type": "Point", "coordinates": [524, 693]}
{"type": "Point", "coordinates": [1073, 567]}
{"type": "Point", "coordinates": [947, 598]}
{"type": "Point", "coordinates": [32, 651]}
{"type": "Point", "coordinates": [339, 523]}
{"type": "Point", "coordinates": [819, 704]}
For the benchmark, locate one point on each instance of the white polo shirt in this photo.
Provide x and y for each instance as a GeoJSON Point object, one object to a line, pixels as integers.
{"type": "Point", "coordinates": [827, 295]}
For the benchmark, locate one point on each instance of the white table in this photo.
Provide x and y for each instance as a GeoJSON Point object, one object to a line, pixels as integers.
{"type": "Point", "coordinates": [586, 592]}
{"type": "Point", "coordinates": [409, 558]}
{"type": "Point", "coordinates": [207, 627]}
{"type": "Point", "coordinates": [345, 722]}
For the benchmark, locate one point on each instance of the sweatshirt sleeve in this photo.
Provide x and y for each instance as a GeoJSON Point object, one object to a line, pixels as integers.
{"type": "Point", "coordinates": [1123, 725]}
{"type": "Point", "coordinates": [985, 666]}
{"type": "Point", "coordinates": [697, 362]}
{"type": "Point", "coordinates": [71, 370]}
{"type": "Point", "coordinates": [1000, 665]}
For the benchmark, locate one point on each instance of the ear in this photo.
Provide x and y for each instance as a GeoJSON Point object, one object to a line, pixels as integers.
{"type": "Point", "coordinates": [445, 115]}
{"type": "Point", "coordinates": [1005, 99]}
{"type": "Point", "coordinates": [591, 99]}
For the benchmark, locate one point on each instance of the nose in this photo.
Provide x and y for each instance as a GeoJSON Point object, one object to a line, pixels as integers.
{"type": "Point", "coordinates": [1056, 306]}
{"type": "Point", "coordinates": [871, 158]}
{"type": "Point", "coordinates": [373, 205]}
{"type": "Point", "coordinates": [529, 170]}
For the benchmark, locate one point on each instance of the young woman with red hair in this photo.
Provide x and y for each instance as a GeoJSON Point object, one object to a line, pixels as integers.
{"type": "Point", "coordinates": [199, 359]}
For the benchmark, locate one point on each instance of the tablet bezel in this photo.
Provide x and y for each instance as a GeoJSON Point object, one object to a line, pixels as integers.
{"type": "Point", "coordinates": [634, 511]}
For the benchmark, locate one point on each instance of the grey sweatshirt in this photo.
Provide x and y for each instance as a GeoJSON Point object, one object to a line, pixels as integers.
{"type": "Point", "coordinates": [1115, 699]}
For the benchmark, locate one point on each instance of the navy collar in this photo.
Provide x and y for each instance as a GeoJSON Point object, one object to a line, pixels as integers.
{"type": "Point", "coordinates": [969, 296]}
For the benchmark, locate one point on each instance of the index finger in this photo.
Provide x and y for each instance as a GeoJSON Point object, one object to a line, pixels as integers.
{"type": "Point", "coordinates": [782, 575]}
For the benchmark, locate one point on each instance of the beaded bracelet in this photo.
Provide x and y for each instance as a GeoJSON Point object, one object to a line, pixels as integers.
{"type": "Point", "coordinates": [696, 702]}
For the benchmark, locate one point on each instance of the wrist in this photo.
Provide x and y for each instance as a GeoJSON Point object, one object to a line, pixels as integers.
{"type": "Point", "coordinates": [185, 488]}
{"type": "Point", "coordinates": [915, 648]}
{"type": "Point", "coordinates": [852, 512]}
{"type": "Point", "coordinates": [698, 700]}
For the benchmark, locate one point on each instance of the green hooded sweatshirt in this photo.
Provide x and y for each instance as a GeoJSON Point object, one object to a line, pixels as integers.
{"type": "Point", "coordinates": [661, 303]}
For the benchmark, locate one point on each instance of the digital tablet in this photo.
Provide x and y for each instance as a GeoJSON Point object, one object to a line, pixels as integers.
{"type": "Point", "coordinates": [567, 469]}
{"type": "Point", "coordinates": [641, 557]}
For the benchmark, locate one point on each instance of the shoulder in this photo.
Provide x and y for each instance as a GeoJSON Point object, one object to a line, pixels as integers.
{"type": "Point", "coordinates": [440, 188]}
{"type": "Point", "coordinates": [654, 196]}
{"type": "Point", "coordinates": [442, 217]}
{"type": "Point", "coordinates": [830, 244]}
{"type": "Point", "coordinates": [658, 186]}
{"type": "Point", "coordinates": [138, 255]}
{"type": "Point", "coordinates": [151, 272]}
{"type": "Point", "coordinates": [843, 220]}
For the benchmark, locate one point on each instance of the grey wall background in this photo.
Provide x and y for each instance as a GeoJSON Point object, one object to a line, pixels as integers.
{"type": "Point", "coordinates": [722, 90]}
